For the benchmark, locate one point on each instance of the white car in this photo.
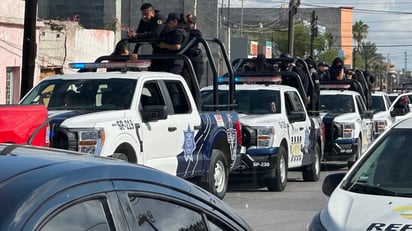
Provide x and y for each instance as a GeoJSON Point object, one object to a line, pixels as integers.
{"type": "Point", "coordinates": [376, 193]}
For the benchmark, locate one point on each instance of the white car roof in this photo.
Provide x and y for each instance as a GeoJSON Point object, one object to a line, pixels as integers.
{"type": "Point", "coordinates": [112, 74]}
{"type": "Point", "coordinates": [273, 87]}
{"type": "Point", "coordinates": [379, 93]}
{"type": "Point", "coordinates": [335, 92]}
{"type": "Point", "coordinates": [405, 123]}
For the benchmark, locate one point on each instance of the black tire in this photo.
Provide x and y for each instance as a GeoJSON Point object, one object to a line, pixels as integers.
{"type": "Point", "coordinates": [359, 149]}
{"type": "Point", "coordinates": [218, 174]}
{"type": "Point", "coordinates": [312, 171]}
{"type": "Point", "coordinates": [120, 156]}
{"type": "Point", "coordinates": [278, 183]}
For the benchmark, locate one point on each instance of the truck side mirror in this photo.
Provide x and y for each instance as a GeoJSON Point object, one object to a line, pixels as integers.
{"type": "Point", "coordinates": [398, 112]}
{"type": "Point", "coordinates": [153, 113]}
{"type": "Point", "coordinates": [297, 116]}
{"type": "Point", "coordinates": [367, 114]}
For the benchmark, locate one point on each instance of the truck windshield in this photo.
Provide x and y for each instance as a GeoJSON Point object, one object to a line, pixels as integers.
{"type": "Point", "coordinates": [84, 94]}
{"type": "Point", "coordinates": [247, 101]}
{"type": "Point", "coordinates": [338, 103]}
{"type": "Point", "coordinates": [378, 103]}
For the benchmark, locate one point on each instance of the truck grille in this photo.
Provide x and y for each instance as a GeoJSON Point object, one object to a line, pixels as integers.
{"type": "Point", "coordinates": [249, 136]}
{"type": "Point", "coordinates": [63, 139]}
{"type": "Point", "coordinates": [331, 133]}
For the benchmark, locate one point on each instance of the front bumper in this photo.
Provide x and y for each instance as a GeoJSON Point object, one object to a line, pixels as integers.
{"type": "Point", "coordinates": [256, 164]}
{"type": "Point", "coordinates": [341, 150]}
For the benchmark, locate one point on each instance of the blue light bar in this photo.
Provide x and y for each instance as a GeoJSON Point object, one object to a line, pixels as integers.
{"type": "Point", "coordinates": [136, 64]}
{"type": "Point", "coordinates": [77, 65]}
{"type": "Point", "coordinates": [274, 79]}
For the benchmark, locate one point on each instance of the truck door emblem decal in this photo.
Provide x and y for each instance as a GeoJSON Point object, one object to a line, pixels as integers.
{"type": "Point", "coordinates": [189, 144]}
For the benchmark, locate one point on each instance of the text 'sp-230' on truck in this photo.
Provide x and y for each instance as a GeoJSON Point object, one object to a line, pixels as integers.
{"type": "Point", "coordinates": [148, 118]}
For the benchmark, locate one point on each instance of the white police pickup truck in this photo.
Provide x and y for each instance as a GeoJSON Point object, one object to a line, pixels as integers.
{"type": "Point", "coordinates": [347, 123]}
{"type": "Point", "coordinates": [381, 108]}
{"type": "Point", "coordinates": [277, 131]}
{"type": "Point", "coordinates": [148, 118]}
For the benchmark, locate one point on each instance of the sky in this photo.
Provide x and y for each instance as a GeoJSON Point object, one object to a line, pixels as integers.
{"type": "Point", "coordinates": [389, 21]}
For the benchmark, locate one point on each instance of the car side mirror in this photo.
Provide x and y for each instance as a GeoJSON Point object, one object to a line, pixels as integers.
{"type": "Point", "coordinates": [153, 113]}
{"type": "Point", "coordinates": [331, 182]}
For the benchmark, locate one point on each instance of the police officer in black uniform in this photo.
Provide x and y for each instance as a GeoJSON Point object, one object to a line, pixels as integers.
{"type": "Point", "coordinates": [323, 71]}
{"type": "Point", "coordinates": [315, 79]}
{"type": "Point", "coordinates": [150, 29]}
{"type": "Point", "coordinates": [194, 53]}
{"type": "Point", "coordinates": [172, 43]}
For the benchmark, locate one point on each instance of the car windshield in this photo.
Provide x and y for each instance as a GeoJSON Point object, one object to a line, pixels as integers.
{"type": "Point", "coordinates": [247, 101]}
{"type": "Point", "coordinates": [387, 170]}
{"type": "Point", "coordinates": [378, 103]}
{"type": "Point", "coordinates": [338, 103]}
{"type": "Point", "coordinates": [84, 94]}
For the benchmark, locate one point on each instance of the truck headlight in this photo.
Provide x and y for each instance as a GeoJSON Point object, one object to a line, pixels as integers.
{"type": "Point", "coordinates": [348, 130]}
{"type": "Point", "coordinates": [91, 141]}
{"type": "Point", "coordinates": [379, 126]}
{"type": "Point", "coordinates": [265, 136]}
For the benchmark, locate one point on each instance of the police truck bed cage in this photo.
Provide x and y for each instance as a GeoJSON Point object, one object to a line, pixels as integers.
{"type": "Point", "coordinates": [346, 84]}
{"type": "Point", "coordinates": [283, 78]}
{"type": "Point", "coordinates": [289, 76]}
{"type": "Point", "coordinates": [180, 55]}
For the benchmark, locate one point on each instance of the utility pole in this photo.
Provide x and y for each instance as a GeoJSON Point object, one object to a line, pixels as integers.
{"type": "Point", "coordinates": [29, 47]}
{"type": "Point", "coordinates": [228, 29]}
{"type": "Point", "coordinates": [313, 31]}
{"type": "Point", "coordinates": [241, 21]}
{"type": "Point", "coordinates": [293, 5]}
{"type": "Point", "coordinates": [406, 62]}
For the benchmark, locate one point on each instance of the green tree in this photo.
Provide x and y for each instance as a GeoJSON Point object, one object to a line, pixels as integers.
{"type": "Point", "coordinates": [359, 33]}
{"type": "Point", "coordinates": [370, 55]}
{"type": "Point", "coordinates": [328, 55]}
{"type": "Point", "coordinates": [301, 47]}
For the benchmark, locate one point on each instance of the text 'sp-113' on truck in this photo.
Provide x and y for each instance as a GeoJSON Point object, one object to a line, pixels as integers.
{"type": "Point", "coordinates": [148, 118]}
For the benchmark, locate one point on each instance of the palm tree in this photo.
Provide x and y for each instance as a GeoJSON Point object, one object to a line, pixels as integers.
{"type": "Point", "coordinates": [369, 52]}
{"type": "Point", "coordinates": [359, 33]}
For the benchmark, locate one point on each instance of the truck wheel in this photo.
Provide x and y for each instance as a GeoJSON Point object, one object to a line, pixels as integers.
{"type": "Point", "coordinates": [218, 174]}
{"type": "Point", "coordinates": [312, 171]}
{"type": "Point", "coordinates": [120, 156]}
{"type": "Point", "coordinates": [358, 153]}
{"type": "Point", "coordinates": [278, 183]}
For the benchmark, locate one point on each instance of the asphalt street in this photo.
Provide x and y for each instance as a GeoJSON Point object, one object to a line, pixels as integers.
{"type": "Point", "coordinates": [289, 210]}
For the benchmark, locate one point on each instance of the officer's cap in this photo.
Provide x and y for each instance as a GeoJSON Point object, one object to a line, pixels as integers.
{"type": "Point", "coordinates": [173, 16]}
{"type": "Point", "coordinates": [323, 63]}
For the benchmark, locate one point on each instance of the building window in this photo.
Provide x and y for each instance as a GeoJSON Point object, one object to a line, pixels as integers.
{"type": "Point", "coordinates": [9, 85]}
